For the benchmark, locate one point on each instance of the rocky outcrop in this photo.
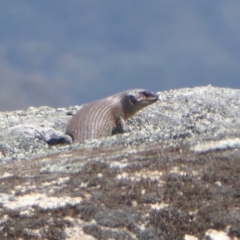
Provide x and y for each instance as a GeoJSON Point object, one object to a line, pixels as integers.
{"type": "Point", "coordinates": [176, 175]}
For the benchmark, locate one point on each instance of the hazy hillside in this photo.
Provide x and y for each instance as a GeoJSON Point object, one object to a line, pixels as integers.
{"type": "Point", "coordinates": [60, 53]}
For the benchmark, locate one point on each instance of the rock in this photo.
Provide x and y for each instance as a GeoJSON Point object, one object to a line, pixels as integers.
{"type": "Point", "coordinates": [174, 176]}
{"type": "Point", "coordinates": [190, 237]}
{"type": "Point", "coordinates": [212, 234]}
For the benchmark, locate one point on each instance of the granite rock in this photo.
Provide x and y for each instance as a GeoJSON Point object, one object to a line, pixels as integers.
{"type": "Point", "coordinates": [175, 175]}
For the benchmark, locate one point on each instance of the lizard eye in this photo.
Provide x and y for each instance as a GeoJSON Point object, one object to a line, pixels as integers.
{"type": "Point", "coordinates": [133, 99]}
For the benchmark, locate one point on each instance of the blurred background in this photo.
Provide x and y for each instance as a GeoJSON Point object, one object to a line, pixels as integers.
{"type": "Point", "coordinates": [61, 53]}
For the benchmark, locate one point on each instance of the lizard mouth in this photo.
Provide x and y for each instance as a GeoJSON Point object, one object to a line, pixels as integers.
{"type": "Point", "coordinates": [145, 101]}
{"type": "Point", "coordinates": [153, 98]}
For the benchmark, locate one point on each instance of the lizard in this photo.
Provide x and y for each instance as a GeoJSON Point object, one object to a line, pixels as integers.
{"type": "Point", "coordinates": [108, 116]}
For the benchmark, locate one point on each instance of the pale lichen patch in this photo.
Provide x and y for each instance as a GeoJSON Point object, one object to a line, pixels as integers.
{"type": "Point", "coordinates": [213, 234]}
{"type": "Point", "coordinates": [229, 143]}
{"type": "Point", "coordinates": [75, 230]}
{"type": "Point", "coordinates": [41, 200]}
{"type": "Point", "coordinates": [159, 206]}
{"type": "Point", "coordinates": [6, 174]}
{"type": "Point", "coordinates": [138, 176]}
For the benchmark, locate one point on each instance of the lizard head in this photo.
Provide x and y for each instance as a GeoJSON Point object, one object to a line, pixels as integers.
{"type": "Point", "coordinates": [137, 99]}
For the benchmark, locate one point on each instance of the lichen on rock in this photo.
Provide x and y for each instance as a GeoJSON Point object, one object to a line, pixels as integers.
{"type": "Point", "coordinates": [174, 176]}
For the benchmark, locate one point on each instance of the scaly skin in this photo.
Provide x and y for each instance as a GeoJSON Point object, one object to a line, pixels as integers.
{"type": "Point", "coordinates": [106, 116]}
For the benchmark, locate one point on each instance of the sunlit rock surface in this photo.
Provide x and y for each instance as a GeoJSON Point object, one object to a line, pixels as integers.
{"type": "Point", "coordinates": [176, 175]}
